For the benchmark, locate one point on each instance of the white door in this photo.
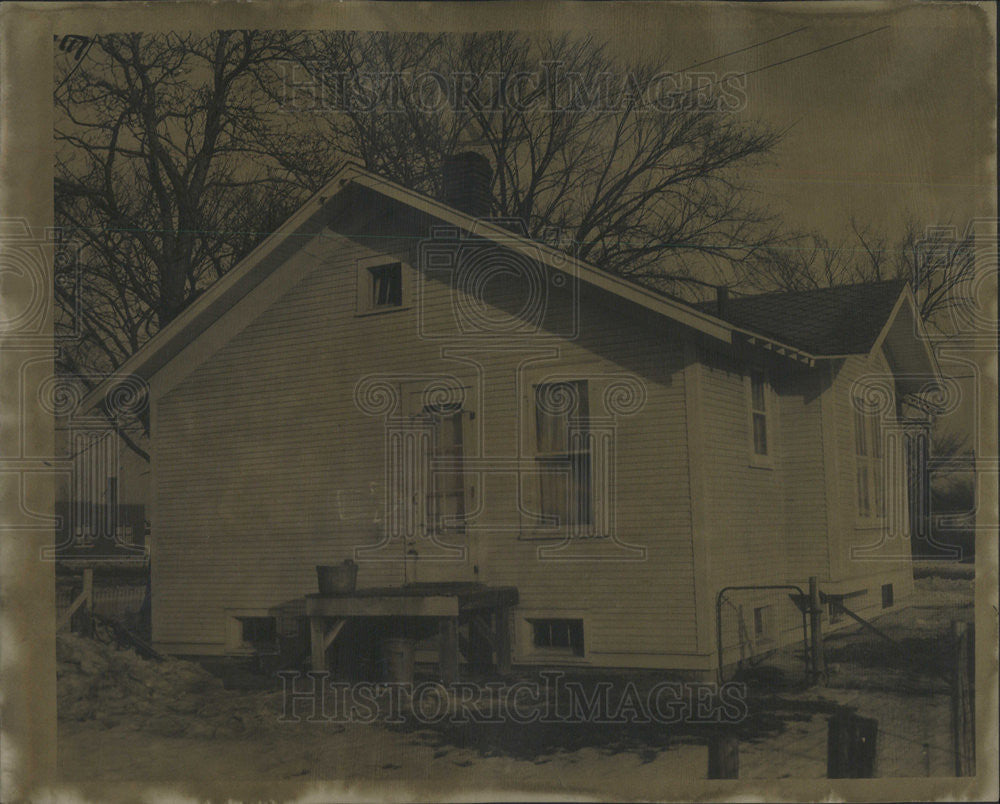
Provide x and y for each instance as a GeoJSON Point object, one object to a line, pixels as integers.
{"type": "Point", "coordinates": [442, 493]}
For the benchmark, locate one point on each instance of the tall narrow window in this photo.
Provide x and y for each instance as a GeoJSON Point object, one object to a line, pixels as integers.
{"type": "Point", "coordinates": [563, 452]}
{"type": "Point", "coordinates": [868, 459]}
{"type": "Point", "coordinates": [758, 413]}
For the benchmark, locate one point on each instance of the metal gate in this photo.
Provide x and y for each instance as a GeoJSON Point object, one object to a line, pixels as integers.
{"type": "Point", "coordinates": [763, 631]}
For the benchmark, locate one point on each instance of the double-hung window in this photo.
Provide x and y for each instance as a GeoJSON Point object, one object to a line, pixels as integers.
{"type": "Point", "coordinates": [760, 419]}
{"type": "Point", "coordinates": [868, 460]}
{"type": "Point", "coordinates": [563, 453]}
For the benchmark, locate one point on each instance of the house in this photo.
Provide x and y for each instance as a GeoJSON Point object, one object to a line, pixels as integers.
{"type": "Point", "coordinates": [100, 496]}
{"type": "Point", "coordinates": [401, 381]}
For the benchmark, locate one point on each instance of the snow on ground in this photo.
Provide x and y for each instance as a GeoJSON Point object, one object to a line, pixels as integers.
{"type": "Point", "coordinates": [124, 718]}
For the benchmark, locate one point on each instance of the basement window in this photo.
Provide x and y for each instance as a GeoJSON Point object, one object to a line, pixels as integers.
{"type": "Point", "coordinates": [886, 595]}
{"type": "Point", "coordinates": [762, 622]}
{"type": "Point", "coordinates": [259, 633]}
{"type": "Point", "coordinates": [558, 635]}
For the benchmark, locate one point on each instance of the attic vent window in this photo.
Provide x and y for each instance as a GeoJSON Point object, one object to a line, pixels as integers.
{"type": "Point", "coordinates": [386, 285]}
{"type": "Point", "coordinates": [382, 285]}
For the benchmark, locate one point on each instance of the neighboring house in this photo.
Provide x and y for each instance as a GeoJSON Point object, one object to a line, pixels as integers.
{"type": "Point", "coordinates": [468, 405]}
{"type": "Point", "coordinates": [101, 492]}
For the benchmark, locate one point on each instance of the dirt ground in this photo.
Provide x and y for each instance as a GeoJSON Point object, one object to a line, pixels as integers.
{"type": "Point", "coordinates": [127, 719]}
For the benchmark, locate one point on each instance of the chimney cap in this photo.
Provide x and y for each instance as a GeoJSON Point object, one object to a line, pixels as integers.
{"type": "Point", "coordinates": [721, 300]}
{"type": "Point", "coordinates": [467, 159]}
{"type": "Point", "coordinates": [465, 183]}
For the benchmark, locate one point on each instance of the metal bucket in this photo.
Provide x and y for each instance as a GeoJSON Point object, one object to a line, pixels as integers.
{"type": "Point", "coordinates": [399, 657]}
{"type": "Point", "coordinates": [337, 579]}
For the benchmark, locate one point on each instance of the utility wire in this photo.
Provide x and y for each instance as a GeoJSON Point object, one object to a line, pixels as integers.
{"type": "Point", "coordinates": [743, 49]}
{"type": "Point", "coordinates": [811, 52]}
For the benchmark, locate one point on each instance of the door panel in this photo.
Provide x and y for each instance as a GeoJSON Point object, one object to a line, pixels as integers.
{"type": "Point", "coordinates": [441, 550]}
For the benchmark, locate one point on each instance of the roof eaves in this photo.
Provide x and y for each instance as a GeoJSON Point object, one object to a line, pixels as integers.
{"type": "Point", "coordinates": [352, 172]}
{"type": "Point", "coordinates": [560, 260]}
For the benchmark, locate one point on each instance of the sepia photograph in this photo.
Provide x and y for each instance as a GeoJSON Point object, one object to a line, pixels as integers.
{"type": "Point", "coordinates": [498, 401]}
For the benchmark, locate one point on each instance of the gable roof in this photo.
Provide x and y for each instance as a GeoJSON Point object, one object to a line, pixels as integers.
{"type": "Point", "coordinates": [312, 217]}
{"type": "Point", "coordinates": [824, 322]}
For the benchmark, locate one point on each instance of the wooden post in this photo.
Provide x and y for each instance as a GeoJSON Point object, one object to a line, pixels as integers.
{"type": "Point", "coordinates": [317, 643]}
{"type": "Point", "coordinates": [480, 652]}
{"type": "Point", "coordinates": [448, 650]}
{"type": "Point", "coordinates": [723, 756]}
{"type": "Point", "coordinates": [851, 747]}
{"type": "Point", "coordinates": [816, 631]}
{"type": "Point", "coordinates": [503, 640]}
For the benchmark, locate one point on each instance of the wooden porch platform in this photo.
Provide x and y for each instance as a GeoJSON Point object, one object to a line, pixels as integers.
{"type": "Point", "coordinates": [484, 609]}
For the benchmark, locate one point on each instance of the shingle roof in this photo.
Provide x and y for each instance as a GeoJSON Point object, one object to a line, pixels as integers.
{"type": "Point", "coordinates": [830, 321]}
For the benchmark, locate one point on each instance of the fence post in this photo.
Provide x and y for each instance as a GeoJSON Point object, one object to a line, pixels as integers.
{"type": "Point", "coordinates": [851, 746]}
{"type": "Point", "coordinates": [723, 756]}
{"type": "Point", "coordinates": [961, 731]}
{"type": "Point", "coordinates": [816, 630]}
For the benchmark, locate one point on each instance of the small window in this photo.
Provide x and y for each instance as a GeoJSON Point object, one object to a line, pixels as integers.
{"type": "Point", "coordinates": [386, 285]}
{"type": "Point", "coordinates": [560, 635]}
{"type": "Point", "coordinates": [762, 622]}
{"type": "Point", "coordinates": [259, 633]}
{"type": "Point", "coordinates": [886, 595]}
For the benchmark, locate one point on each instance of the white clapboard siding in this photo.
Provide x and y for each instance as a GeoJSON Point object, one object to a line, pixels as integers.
{"type": "Point", "coordinates": [800, 439]}
{"type": "Point", "coordinates": [864, 550]}
{"type": "Point", "coordinates": [265, 467]}
{"type": "Point", "coordinates": [745, 506]}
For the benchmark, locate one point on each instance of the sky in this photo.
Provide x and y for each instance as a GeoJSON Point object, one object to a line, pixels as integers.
{"type": "Point", "coordinates": [895, 122]}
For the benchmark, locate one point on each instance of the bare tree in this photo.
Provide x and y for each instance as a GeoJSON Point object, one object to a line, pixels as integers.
{"type": "Point", "coordinates": [177, 153]}
{"type": "Point", "coordinates": [158, 183]}
{"type": "Point", "coordinates": [938, 263]}
{"type": "Point", "coordinates": [637, 170]}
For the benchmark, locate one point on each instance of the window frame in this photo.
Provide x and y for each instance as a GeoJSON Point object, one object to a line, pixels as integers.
{"type": "Point", "coordinates": [365, 284]}
{"type": "Point", "coordinates": [869, 461]}
{"type": "Point", "coordinates": [234, 643]}
{"type": "Point", "coordinates": [525, 648]}
{"type": "Point", "coordinates": [769, 412]}
{"type": "Point", "coordinates": [888, 596]}
{"type": "Point", "coordinates": [577, 432]}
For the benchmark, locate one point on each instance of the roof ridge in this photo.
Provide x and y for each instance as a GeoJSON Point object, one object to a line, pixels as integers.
{"type": "Point", "coordinates": [896, 281]}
